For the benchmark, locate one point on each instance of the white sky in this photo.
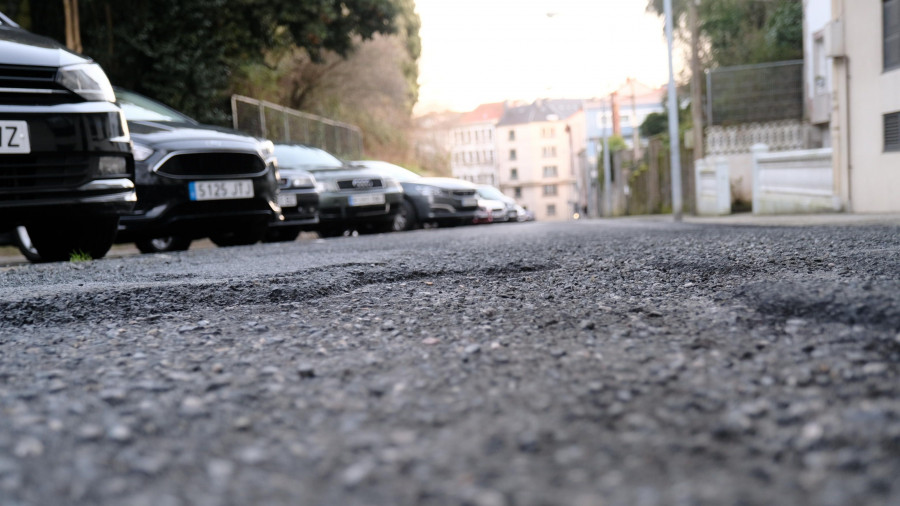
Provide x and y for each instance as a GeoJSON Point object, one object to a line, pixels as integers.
{"type": "Point", "coordinates": [480, 51]}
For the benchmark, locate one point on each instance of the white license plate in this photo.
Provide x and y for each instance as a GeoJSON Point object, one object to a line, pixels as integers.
{"type": "Point", "coordinates": [287, 200]}
{"type": "Point", "coordinates": [367, 200]}
{"type": "Point", "coordinates": [472, 202]}
{"type": "Point", "coordinates": [221, 190]}
{"type": "Point", "coordinates": [14, 137]}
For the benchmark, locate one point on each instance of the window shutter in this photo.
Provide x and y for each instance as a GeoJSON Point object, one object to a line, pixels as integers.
{"type": "Point", "coordinates": [892, 132]}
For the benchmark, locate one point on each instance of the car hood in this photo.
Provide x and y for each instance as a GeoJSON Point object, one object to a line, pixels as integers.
{"type": "Point", "coordinates": [167, 135]}
{"type": "Point", "coordinates": [21, 47]}
{"type": "Point", "coordinates": [332, 174]}
{"type": "Point", "coordinates": [446, 183]}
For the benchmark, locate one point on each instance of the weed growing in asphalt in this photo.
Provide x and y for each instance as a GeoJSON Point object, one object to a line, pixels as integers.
{"type": "Point", "coordinates": [79, 256]}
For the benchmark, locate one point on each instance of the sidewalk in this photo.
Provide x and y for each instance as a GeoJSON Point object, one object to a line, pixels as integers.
{"type": "Point", "coordinates": [796, 220]}
{"type": "Point", "coordinates": [782, 220]}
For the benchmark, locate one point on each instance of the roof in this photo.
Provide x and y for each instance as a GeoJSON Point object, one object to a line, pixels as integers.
{"type": "Point", "coordinates": [541, 110]}
{"type": "Point", "coordinates": [484, 112]}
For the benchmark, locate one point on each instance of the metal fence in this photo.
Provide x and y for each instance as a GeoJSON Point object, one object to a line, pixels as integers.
{"type": "Point", "coordinates": [282, 124]}
{"type": "Point", "coordinates": [755, 93]}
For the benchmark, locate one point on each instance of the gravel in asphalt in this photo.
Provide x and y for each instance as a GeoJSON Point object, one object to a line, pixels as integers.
{"type": "Point", "coordinates": [632, 362]}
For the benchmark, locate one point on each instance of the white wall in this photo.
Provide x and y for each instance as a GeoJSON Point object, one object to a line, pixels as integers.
{"type": "Point", "coordinates": [873, 92]}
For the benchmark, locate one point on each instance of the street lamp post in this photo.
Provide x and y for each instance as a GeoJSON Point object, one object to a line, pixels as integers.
{"type": "Point", "coordinates": [674, 144]}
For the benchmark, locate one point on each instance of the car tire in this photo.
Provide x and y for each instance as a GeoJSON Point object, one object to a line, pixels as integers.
{"type": "Point", "coordinates": [406, 218]}
{"type": "Point", "coordinates": [163, 244]}
{"type": "Point", "coordinates": [23, 241]}
{"type": "Point", "coordinates": [281, 235]}
{"type": "Point", "coordinates": [244, 236]}
{"type": "Point", "coordinates": [328, 231]}
{"type": "Point", "coordinates": [60, 240]}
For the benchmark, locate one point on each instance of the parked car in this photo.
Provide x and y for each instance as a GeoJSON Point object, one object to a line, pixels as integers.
{"type": "Point", "coordinates": [428, 200]}
{"type": "Point", "coordinates": [299, 202]}
{"type": "Point", "coordinates": [350, 198]}
{"type": "Point", "coordinates": [66, 170]}
{"type": "Point", "coordinates": [490, 211]}
{"type": "Point", "coordinates": [509, 204]}
{"type": "Point", "coordinates": [195, 181]}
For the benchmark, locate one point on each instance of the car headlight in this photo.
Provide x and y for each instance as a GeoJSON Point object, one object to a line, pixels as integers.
{"type": "Point", "coordinates": [87, 80]}
{"type": "Point", "coordinates": [429, 191]}
{"type": "Point", "coordinates": [302, 182]}
{"type": "Point", "coordinates": [392, 184]}
{"type": "Point", "coordinates": [266, 150]}
{"type": "Point", "coordinates": [326, 186]}
{"type": "Point", "coordinates": [141, 152]}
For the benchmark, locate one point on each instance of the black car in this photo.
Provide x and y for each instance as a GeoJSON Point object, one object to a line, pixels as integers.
{"type": "Point", "coordinates": [66, 170]}
{"type": "Point", "coordinates": [299, 202]}
{"type": "Point", "coordinates": [441, 201]}
{"type": "Point", "coordinates": [350, 198]}
{"type": "Point", "coordinates": [195, 181]}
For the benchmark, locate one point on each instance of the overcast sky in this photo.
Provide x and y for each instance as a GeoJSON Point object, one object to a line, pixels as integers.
{"type": "Point", "coordinates": [480, 51]}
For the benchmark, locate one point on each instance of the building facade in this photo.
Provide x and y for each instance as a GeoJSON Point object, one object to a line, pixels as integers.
{"type": "Point", "coordinates": [863, 42]}
{"type": "Point", "coordinates": [473, 155]}
{"type": "Point", "coordinates": [537, 145]}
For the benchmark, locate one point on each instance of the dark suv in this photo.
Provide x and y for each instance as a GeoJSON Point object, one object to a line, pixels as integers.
{"type": "Point", "coordinates": [195, 180]}
{"type": "Point", "coordinates": [66, 169]}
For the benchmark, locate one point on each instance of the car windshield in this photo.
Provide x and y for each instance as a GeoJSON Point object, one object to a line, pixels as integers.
{"type": "Point", "coordinates": [489, 192]}
{"type": "Point", "coordinates": [390, 170]}
{"type": "Point", "coordinates": [140, 108]}
{"type": "Point", "coordinates": [306, 157]}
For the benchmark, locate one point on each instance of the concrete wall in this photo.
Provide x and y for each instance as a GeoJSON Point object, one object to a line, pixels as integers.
{"type": "Point", "coordinates": [793, 182]}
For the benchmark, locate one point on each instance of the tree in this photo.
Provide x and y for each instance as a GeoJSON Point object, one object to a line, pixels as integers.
{"type": "Point", "coordinates": [741, 32]}
{"type": "Point", "coordinates": [183, 52]}
{"type": "Point", "coordinates": [374, 87]}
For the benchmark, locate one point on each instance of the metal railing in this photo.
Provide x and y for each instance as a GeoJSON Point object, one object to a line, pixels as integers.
{"type": "Point", "coordinates": [282, 124]}
{"type": "Point", "coordinates": [754, 93]}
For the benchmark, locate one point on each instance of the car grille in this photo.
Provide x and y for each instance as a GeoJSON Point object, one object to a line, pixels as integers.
{"type": "Point", "coordinates": [463, 193]}
{"type": "Point", "coordinates": [360, 184]}
{"type": "Point", "coordinates": [42, 172]}
{"type": "Point", "coordinates": [24, 85]}
{"type": "Point", "coordinates": [212, 165]}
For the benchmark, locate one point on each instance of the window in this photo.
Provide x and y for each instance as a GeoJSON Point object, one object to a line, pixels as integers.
{"type": "Point", "coordinates": [891, 34]}
{"type": "Point", "coordinates": [512, 135]}
{"type": "Point", "coordinates": [551, 210]}
{"type": "Point", "coordinates": [514, 173]}
{"type": "Point", "coordinates": [512, 154]}
{"type": "Point", "coordinates": [892, 131]}
{"type": "Point", "coordinates": [550, 171]}
{"type": "Point", "coordinates": [548, 132]}
{"type": "Point", "coordinates": [517, 192]}
{"type": "Point", "coordinates": [549, 190]}
{"type": "Point", "coordinates": [549, 152]}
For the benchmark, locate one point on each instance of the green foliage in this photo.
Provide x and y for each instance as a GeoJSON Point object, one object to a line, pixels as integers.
{"type": "Point", "coordinates": [742, 32]}
{"type": "Point", "coordinates": [79, 256]}
{"type": "Point", "coordinates": [654, 124]}
{"type": "Point", "coordinates": [183, 52]}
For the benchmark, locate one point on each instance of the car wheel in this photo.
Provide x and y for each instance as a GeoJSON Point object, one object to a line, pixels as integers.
{"type": "Point", "coordinates": [23, 241]}
{"type": "Point", "coordinates": [249, 234]}
{"type": "Point", "coordinates": [281, 235]}
{"type": "Point", "coordinates": [63, 239]}
{"type": "Point", "coordinates": [163, 244]}
{"type": "Point", "coordinates": [406, 218]}
{"type": "Point", "coordinates": [332, 231]}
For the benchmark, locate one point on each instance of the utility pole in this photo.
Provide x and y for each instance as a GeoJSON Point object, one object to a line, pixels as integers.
{"type": "Point", "coordinates": [674, 143]}
{"type": "Point", "coordinates": [696, 82]}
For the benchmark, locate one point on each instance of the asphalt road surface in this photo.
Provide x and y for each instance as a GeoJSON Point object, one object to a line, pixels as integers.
{"type": "Point", "coordinates": [627, 362]}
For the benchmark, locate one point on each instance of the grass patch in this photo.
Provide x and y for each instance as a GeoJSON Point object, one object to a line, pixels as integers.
{"type": "Point", "coordinates": [79, 256]}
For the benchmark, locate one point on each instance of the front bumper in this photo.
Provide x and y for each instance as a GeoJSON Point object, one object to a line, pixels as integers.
{"type": "Point", "coordinates": [79, 163]}
{"type": "Point", "coordinates": [167, 209]}
{"type": "Point", "coordinates": [304, 215]}
{"type": "Point", "coordinates": [335, 207]}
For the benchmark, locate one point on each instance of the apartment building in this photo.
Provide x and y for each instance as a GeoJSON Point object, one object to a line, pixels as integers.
{"type": "Point", "coordinates": [473, 154]}
{"type": "Point", "coordinates": [536, 148]}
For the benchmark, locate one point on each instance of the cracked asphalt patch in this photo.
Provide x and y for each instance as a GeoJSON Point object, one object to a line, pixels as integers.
{"type": "Point", "coordinates": [525, 364]}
